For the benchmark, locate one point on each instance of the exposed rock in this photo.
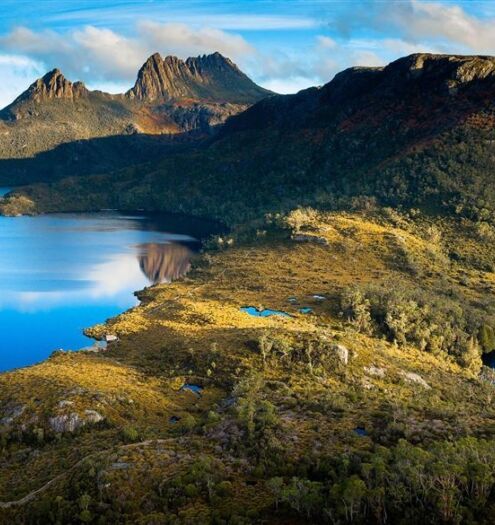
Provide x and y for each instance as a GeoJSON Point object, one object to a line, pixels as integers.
{"type": "Point", "coordinates": [411, 377]}
{"type": "Point", "coordinates": [342, 353]}
{"type": "Point", "coordinates": [65, 423]}
{"type": "Point", "coordinates": [109, 338]}
{"type": "Point", "coordinates": [11, 413]}
{"type": "Point", "coordinates": [207, 77]}
{"type": "Point", "coordinates": [52, 86]}
{"type": "Point", "coordinates": [92, 416]}
{"type": "Point", "coordinates": [375, 371]}
{"type": "Point", "coordinates": [307, 237]}
{"type": "Point", "coordinates": [65, 403]}
{"type": "Point", "coordinates": [72, 422]}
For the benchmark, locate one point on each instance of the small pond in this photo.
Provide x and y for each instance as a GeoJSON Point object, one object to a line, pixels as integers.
{"type": "Point", "coordinates": [266, 312]}
{"type": "Point", "coordinates": [305, 310]}
{"type": "Point", "coordinates": [196, 389]}
{"type": "Point", "coordinates": [360, 431]}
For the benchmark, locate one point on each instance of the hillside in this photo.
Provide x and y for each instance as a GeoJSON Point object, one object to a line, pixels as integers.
{"type": "Point", "coordinates": [417, 132]}
{"type": "Point", "coordinates": [366, 408]}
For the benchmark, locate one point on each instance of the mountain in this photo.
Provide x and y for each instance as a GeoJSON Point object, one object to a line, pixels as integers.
{"type": "Point", "coordinates": [51, 86]}
{"type": "Point", "coordinates": [170, 96]}
{"type": "Point", "coordinates": [418, 132]}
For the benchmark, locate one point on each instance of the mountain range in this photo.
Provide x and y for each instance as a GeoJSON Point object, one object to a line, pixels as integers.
{"type": "Point", "coordinates": [170, 96]}
{"type": "Point", "coordinates": [418, 132]}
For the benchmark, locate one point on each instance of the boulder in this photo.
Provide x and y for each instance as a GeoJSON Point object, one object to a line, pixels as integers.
{"type": "Point", "coordinates": [72, 422]}
{"type": "Point", "coordinates": [342, 353]}
{"type": "Point", "coordinates": [92, 416]}
{"type": "Point", "coordinates": [11, 413]}
{"type": "Point", "coordinates": [306, 237]}
{"type": "Point", "coordinates": [411, 377]}
{"type": "Point", "coordinates": [65, 423]}
{"type": "Point", "coordinates": [375, 371]}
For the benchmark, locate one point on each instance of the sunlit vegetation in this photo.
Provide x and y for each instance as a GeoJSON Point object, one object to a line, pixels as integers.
{"type": "Point", "coordinates": [14, 205]}
{"type": "Point", "coordinates": [392, 347]}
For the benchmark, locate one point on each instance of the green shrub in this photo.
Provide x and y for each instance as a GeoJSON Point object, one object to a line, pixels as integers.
{"type": "Point", "coordinates": [130, 434]}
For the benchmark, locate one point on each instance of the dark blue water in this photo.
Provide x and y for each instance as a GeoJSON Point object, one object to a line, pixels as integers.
{"type": "Point", "coordinates": [62, 273]}
{"type": "Point", "coordinates": [196, 389]}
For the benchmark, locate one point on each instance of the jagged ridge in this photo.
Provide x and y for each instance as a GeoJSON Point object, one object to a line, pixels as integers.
{"type": "Point", "coordinates": [210, 77]}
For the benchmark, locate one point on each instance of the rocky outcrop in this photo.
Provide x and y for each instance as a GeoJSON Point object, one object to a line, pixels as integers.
{"type": "Point", "coordinates": [342, 353]}
{"type": "Point", "coordinates": [375, 371]}
{"type": "Point", "coordinates": [65, 423]}
{"type": "Point", "coordinates": [308, 237]}
{"type": "Point", "coordinates": [421, 72]}
{"type": "Point", "coordinates": [414, 378]}
{"type": "Point", "coordinates": [10, 413]}
{"type": "Point", "coordinates": [73, 421]}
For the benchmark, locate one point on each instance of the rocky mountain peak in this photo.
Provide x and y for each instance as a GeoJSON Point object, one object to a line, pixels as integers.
{"type": "Point", "coordinates": [206, 77]}
{"type": "Point", "coordinates": [53, 85]}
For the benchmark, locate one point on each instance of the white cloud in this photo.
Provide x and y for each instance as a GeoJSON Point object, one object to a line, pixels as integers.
{"type": "Point", "coordinates": [290, 85]}
{"type": "Point", "coordinates": [100, 54]}
{"type": "Point", "coordinates": [450, 22]}
{"type": "Point", "coordinates": [326, 42]}
{"type": "Point", "coordinates": [17, 73]}
{"type": "Point", "coordinates": [445, 26]}
{"type": "Point", "coordinates": [182, 40]}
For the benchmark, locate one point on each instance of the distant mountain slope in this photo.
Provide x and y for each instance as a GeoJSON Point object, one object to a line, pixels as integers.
{"type": "Point", "coordinates": [419, 132]}
{"type": "Point", "coordinates": [170, 96]}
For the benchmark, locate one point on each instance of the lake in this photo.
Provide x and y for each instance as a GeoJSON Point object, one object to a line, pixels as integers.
{"type": "Point", "coordinates": [62, 273]}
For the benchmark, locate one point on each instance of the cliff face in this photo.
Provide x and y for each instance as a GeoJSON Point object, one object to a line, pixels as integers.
{"type": "Point", "coordinates": [208, 77]}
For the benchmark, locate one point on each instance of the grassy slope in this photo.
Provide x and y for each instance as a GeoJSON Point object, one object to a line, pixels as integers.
{"type": "Point", "coordinates": [206, 465]}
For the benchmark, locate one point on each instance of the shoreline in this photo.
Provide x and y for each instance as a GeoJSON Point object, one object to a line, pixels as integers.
{"type": "Point", "coordinates": [197, 231]}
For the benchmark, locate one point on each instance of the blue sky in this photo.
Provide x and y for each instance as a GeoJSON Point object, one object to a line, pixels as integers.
{"type": "Point", "coordinates": [285, 45]}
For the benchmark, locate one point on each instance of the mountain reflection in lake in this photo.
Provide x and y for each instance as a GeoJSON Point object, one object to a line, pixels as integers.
{"type": "Point", "coordinates": [62, 273]}
{"type": "Point", "coordinates": [163, 263]}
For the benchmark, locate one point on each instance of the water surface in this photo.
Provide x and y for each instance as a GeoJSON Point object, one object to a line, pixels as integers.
{"type": "Point", "coordinates": [266, 312]}
{"type": "Point", "coordinates": [62, 273]}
